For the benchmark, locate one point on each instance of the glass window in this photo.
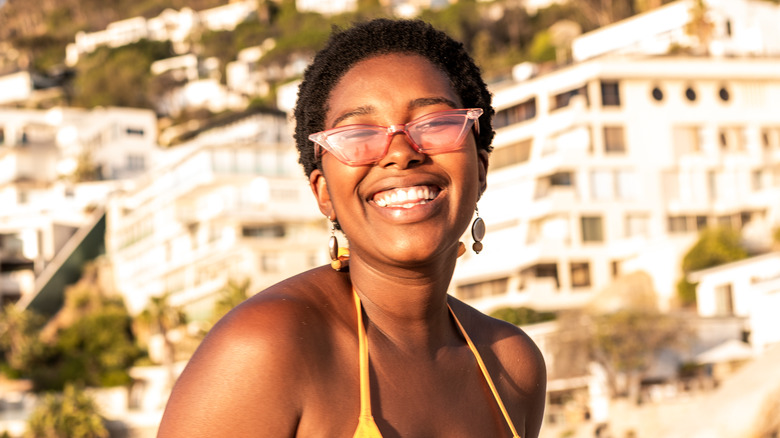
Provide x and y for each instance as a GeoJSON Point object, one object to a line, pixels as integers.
{"type": "Point", "coordinates": [677, 224]}
{"type": "Point", "coordinates": [626, 185]}
{"type": "Point", "coordinates": [547, 270]}
{"type": "Point", "coordinates": [724, 300]}
{"type": "Point", "coordinates": [732, 138]}
{"type": "Point", "coordinates": [686, 139]}
{"type": "Point", "coordinates": [562, 100]}
{"type": "Point", "coordinates": [637, 224]}
{"type": "Point", "coordinates": [510, 155]}
{"type": "Point", "coordinates": [515, 114]}
{"type": "Point", "coordinates": [601, 184]}
{"type": "Point", "coordinates": [614, 139]}
{"type": "Point", "coordinates": [580, 274]}
{"type": "Point", "coordinates": [592, 229]}
{"type": "Point", "coordinates": [483, 289]}
{"type": "Point", "coordinates": [610, 93]}
{"type": "Point", "coordinates": [276, 230]}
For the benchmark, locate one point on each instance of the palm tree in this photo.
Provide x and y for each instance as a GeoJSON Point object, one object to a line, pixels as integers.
{"type": "Point", "coordinates": [162, 318]}
{"type": "Point", "coordinates": [231, 295]}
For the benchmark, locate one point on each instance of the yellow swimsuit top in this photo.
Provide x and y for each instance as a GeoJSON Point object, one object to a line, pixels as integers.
{"type": "Point", "coordinates": [366, 427]}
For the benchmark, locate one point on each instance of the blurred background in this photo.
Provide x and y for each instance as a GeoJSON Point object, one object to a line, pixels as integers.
{"type": "Point", "coordinates": [149, 183]}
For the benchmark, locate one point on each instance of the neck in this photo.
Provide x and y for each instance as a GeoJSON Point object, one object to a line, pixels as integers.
{"type": "Point", "coordinates": [407, 306]}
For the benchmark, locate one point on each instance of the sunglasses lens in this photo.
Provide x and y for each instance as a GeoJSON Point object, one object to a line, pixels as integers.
{"type": "Point", "coordinates": [359, 145]}
{"type": "Point", "coordinates": [440, 133]}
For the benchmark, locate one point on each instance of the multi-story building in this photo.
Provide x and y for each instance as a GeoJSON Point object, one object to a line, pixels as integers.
{"type": "Point", "coordinates": [230, 204]}
{"type": "Point", "coordinates": [42, 202]}
{"type": "Point", "coordinates": [613, 164]}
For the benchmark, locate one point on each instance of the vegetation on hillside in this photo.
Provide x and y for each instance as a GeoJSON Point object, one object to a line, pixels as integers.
{"type": "Point", "coordinates": [498, 35]}
{"type": "Point", "coordinates": [89, 342]}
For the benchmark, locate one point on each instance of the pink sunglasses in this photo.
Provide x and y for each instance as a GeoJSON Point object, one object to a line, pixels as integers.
{"type": "Point", "coordinates": [437, 132]}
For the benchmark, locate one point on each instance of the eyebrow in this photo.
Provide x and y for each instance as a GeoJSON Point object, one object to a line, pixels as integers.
{"type": "Point", "coordinates": [415, 104]}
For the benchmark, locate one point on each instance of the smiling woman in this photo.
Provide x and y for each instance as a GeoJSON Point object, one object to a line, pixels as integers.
{"type": "Point", "coordinates": [394, 132]}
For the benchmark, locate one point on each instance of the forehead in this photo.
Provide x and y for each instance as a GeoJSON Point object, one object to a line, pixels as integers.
{"type": "Point", "coordinates": [389, 80]}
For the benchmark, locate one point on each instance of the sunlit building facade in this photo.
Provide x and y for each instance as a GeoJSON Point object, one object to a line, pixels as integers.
{"type": "Point", "coordinates": [232, 204]}
{"type": "Point", "coordinates": [613, 165]}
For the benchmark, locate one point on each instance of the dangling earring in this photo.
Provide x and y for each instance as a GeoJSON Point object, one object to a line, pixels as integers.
{"type": "Point", "coordinates": [477, 232]}
{"type": "Point", "coordinates": [339, 257]}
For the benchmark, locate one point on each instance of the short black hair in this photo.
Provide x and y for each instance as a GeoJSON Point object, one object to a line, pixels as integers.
{"type": "Point", "coordinates": [377, 37]}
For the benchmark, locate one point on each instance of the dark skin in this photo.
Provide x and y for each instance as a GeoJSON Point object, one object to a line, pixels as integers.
{"type": "Point", "coordinates": [285, 362]}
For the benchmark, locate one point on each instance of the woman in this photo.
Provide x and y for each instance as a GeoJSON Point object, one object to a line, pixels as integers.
{"type": "Point", "coordinates": [399, 122]}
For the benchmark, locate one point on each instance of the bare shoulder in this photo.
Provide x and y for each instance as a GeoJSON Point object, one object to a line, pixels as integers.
{"type": "Point", "coordinates": [517, 362]}
{"type": "Point", "coordinates": [257, 356]}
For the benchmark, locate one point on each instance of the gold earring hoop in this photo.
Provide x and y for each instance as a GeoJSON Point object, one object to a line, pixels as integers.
{"type": "Point", "coordinates": [477, 232]}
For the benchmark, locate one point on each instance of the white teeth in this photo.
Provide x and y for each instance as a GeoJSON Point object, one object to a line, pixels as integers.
{"type": "Point", "coordinates": [398, 198]}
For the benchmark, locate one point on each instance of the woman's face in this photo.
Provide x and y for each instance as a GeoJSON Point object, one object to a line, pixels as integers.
{"type": "Point", "coordinates": [408, 207]}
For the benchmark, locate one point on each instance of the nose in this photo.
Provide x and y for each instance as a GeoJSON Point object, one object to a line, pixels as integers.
{"type": "Point", "coordinates": [401, 152]}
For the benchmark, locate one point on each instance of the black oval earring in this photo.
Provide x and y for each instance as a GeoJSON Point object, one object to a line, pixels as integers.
{"type": "Point", "coordinates": [477, 232]}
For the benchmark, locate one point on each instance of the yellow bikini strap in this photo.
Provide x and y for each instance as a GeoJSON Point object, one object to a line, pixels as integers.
{"type": "Point", "coordinates": [486, 374]}
{"type": "Point", "coordinates": [365, 389]}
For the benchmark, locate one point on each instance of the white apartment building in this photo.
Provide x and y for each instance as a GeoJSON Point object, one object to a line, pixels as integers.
{"type": "Point", "coordinates": [748, 288]}
{"type": "Point", "coordinates": [41, 206]}
{"type": "Point", "coordinates": [230, 204]}
{"type": "Point", "coordinates": [734, 28]}
{"type": "Point", "coordinates": [613, 164]}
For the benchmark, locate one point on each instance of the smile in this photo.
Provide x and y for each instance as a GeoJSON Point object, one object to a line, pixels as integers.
{"type": "Point", "coordinates": [406, 197]}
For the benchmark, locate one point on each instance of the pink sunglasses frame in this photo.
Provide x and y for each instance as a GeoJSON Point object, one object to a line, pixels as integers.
{"type": "Point", "coordinates": [320, 139]}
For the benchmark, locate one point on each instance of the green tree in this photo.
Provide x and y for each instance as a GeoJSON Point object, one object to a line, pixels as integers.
{"type": "Point", "coordinates": [72, 414]}
{"type": "Point", "coordinates": [89, 341]}
{"type": "Point", "coordinates": [522, 315]}
{"type": "Point", "coordinates": [714, 247]}
{"type": "Point", "coordinates": [20, 344]}
{"type": "Point", "coordinates": [120, 76]}
{"type": "Point", "coordinates": [230, 296]}
{"type": "Point", "coordinates": [160, 318]}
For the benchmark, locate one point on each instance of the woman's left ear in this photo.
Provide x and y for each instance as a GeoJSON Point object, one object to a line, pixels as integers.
{"type": "Point", "coordinates": [482, 157]}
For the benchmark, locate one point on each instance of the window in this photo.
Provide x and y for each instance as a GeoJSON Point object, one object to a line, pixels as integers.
{"type": "Point", "coordinates": [135, 131]}
{"type": "Point", "coordinates": [701, 222]}
{"type": "Point", "coordinates": [270, 262]}
{"type": "Point", "coordinates": [637, 224]}
{"type": "Point", "coordinates": [510, 155]}
{"type": "Point", "coordinates": [677, 224]}
{"type": "Point", "coordinates": [690, 94]}
{"type": "Point", "coordinates": [547, 270]}
{"type": "Point", "coordinates": [770, 138]}
{"type": "Point", "coordinates": [483, 289]}
{"type": "Point", "coordinates": [724, 300]}
{"type": "Point", "coordinates": [614, 140]}
{"type": "Point", "coordinates": [610, 93]}
{"type": "Point", "coordinates": [601, 184]}
{"type": "Point", "coordinates": [2, 135]}
{"type": "Point", "coordinates": [657, 94]}
{"type": "Point", "coordinates": [732, 138]}
{"type": "Point", "coordinates": [563, 99]}
{"type": "Point", "coordinates": [545, 184]}
{"type": "Point", "coordinates": [135, 162]}
{"type": "Point", "coordinates": [515, 114]}
{"type": "Point", "coordinates": [686, 139]}
{"type": "Point", "coordinates": [263, 231]}
{"type": "Point", "coordinates": [626, 185]}
{"type": "Point", "coordinates": [592, 229]}
{"type": "Point", "coordinates": [580, 274]}
{"type": "Point", "coordinates": [757, 180]}
{"type": "Point", "coordinates": [724, 95]}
